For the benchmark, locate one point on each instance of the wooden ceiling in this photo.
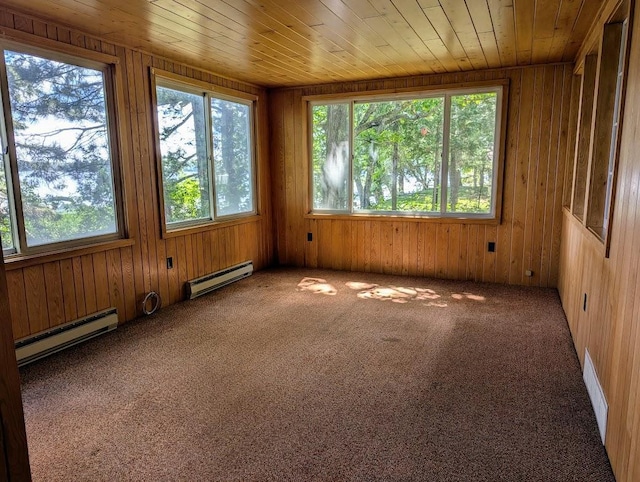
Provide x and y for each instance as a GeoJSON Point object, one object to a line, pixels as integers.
{"type": "Point", "coordinates": [283, 43]}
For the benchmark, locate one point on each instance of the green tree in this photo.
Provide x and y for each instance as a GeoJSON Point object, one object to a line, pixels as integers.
{"type": "Point", "coordinates": [62, 147]}
{"type": "Point", "coordinates": [183, 145]}
{"type": "Point", "coordinates": [397, 153]}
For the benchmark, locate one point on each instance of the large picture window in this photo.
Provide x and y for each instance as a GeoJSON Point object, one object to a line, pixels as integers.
{"type": "Point", "coordinates": [57, 183]}
{"type": "Point", "coordinates": [434, 154]}
{"type": "Point", "coordinates": [206, 149]}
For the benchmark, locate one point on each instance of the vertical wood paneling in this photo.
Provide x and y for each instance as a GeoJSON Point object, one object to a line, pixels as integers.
{"type": "Point", "coordinates": [103, 287]}
{"type": "Point", "coordinates": [18, 303]}
{"type": "Point", "coordinates": [51, 293]}
{"type": "Point", "coordinates": [68, 289]}
{"type": "Point", "coordinates": [609, 328]}
{"type": "Point", "coordinates": [36, 290]}
{"type": "Point", "coordinates": [527, 237]}
{"type": "Point", "coordinates": [114, 282]}
{"type": "Point", "coordinates": [53, 283]}
{"type": "Point", "coordinates": [89, 284]}
{"type": "Point", "coordinates": [128, 291]}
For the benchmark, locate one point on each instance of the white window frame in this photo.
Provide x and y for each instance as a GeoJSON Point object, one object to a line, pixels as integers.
{"type": "Point", "coordinates": [208, 92]}
{"type": "Point", "coordinates": [500, 88]}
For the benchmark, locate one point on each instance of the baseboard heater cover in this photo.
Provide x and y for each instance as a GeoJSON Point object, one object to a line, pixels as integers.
{"type": "Point", "coordinates": [206, 284]}
{"type": "Point", "coordinates": [47, 342]}
{"type": "Point", "coordinates": [596, 394]}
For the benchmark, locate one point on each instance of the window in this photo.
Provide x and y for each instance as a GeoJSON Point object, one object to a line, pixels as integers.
{"type": "Point", "coordinates": [206, 150]}
{"type": "Point", "coordinates": [588, 83]}
{"type": "Point", "coordinates": [435, 154]}
{"type": "Point", "coordinates": [57, 182]}
{"type": "Point", "coordinates": [599, 127]}
{"type": "Point", "coordinates": [609, 101]}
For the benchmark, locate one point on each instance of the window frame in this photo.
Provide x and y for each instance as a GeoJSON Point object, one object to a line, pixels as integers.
{"type": "Point", "coordinates": [161, 78]}
{"type": "Point", "coordinates": [500, 86]}
{"type": "Point", "coordinates": [604, 120]}
{"type": "Point", "coordinates": [110, 68]}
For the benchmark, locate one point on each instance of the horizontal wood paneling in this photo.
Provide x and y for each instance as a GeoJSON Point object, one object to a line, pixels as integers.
{"type": "Point", "coordinates": [275, 43]}
{"type": "Point", "coordinates": [610, 326]}
{"type": "Point", "coordinates": [46, 294]}
{"type": "Point", "coordinates": [528, 236]}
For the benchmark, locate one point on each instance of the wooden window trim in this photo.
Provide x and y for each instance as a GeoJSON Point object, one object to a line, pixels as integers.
{"type": "Point", "coordinates": [606, 49]}
{"type": "Point", "coordinates": [19, 261]}
{"type": "Point", "coordinates": [584, 136]}
{"type": "Point", "coordinates": [162, 77]}
{"type": "Point", "coordinates": [212, 226]}
{"type": "Point", "coordinates": [404, 93]}
{"type": "Point", "coordinates": [410, 217]}
{"type": "Point", "coordinates": [117, 126]}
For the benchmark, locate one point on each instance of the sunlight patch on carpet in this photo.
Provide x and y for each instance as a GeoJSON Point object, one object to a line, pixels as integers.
{"type": "Point", "coordinates": [317, 286]}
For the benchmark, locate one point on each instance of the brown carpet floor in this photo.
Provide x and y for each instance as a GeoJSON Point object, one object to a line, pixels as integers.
{"type": "Point", "coordinates": [322, 375]}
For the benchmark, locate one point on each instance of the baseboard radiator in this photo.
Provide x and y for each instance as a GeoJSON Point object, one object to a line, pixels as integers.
{"type": "Point", "coordinates": [206, 284]}
{"type": "Point", "coordinates": [56, 339]}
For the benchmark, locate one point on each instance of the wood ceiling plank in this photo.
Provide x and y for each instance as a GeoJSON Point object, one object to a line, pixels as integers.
{"type": "Point", "coordinates": [271, 42]}
{"type": "Point", "coordinates": [503, 15]}
{"type": "Point", "coordinates": [565, 21]}
{"type": "Point", "coordinates": [544, 29]}
{"type": "Point", "coordinates": [481, 18]}
{"type": "Point", "coordinates": [462, 24]}
{"type": "Point", "coordinates": [390, 14]}
{"type": "Point", "coordinates": [340, 20]}
{"type": "Point", "coordinates": [306, 22]}
{"type": "Point", "coordinates": [262, 47]}
{"type": "Point", "coordinates": [582, 28]}
{"type": "Point", "coordinates": [276, 23]}
{"type": "Point", "coordinates": [417, 19]}
{"type": "Point", "coordinates": [259, 38]}
{"type": "Point", "coordinates": [490, 49]}
{"type": "Point", "coordinates": [480, 15]}
{"type": "Point", "coordinates": [351, 55]}
{"type": "Point", "coordinates": [524, 21]}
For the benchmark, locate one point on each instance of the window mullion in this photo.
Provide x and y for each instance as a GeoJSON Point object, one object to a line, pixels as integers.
{"type": "Point", "coordinates": [351, 156]}
{"type": "Point", "coordinates": [210, 161]}
{"type": "Point", "coordinates": [444, 169]}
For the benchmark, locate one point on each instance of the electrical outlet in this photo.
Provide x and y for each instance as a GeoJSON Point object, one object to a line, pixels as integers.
{"type": "Point", "coordinates": [491, 247]}
{"type": "Point", "coordinates": [309, 236]}
{"type": "Point", "coordinates": [528, 273]}
{"type": "Point", "coordinates": [169, 263]}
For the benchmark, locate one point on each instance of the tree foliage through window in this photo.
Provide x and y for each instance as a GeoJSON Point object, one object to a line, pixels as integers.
{"type": "Point", "coordinates": [58, 115]}
{"type": "Point", "coordinates": [191, 125]}
{"type": "Point", "coordinates": [395, 161]}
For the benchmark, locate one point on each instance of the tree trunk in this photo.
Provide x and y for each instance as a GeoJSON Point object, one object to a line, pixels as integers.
{"type": "Point", "coordinates": [454, 182]}
{"type": "Point", "coordinates": [203, 161]}
{"type": "Point", "coordinates": [228, 156]}
{"type": "Point", "coordinates": [334, 170]}
{"type": "Point", "coordinates": [394, 177]}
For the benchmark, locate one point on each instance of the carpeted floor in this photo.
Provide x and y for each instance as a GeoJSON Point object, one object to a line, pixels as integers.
{"type": "Point", "coordinates": [322, 375]}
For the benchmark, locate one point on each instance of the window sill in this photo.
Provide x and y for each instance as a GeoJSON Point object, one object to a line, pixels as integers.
{"type": "Point", "coordinates": [211, 226]}
{"type": "Point", "coordinates": [408, 218]}
{"type": "Point", "coordinates": [23, 261]}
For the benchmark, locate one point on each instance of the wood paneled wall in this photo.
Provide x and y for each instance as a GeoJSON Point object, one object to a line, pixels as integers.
{"type": "Point", "coordinates": [528, 238]}
{"type": "Point", "coordinates": [14, 457]}
{"type": "Point", "coordinates": [610, 326]}
{"type": "Point", "coordinates": [46, 294]}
